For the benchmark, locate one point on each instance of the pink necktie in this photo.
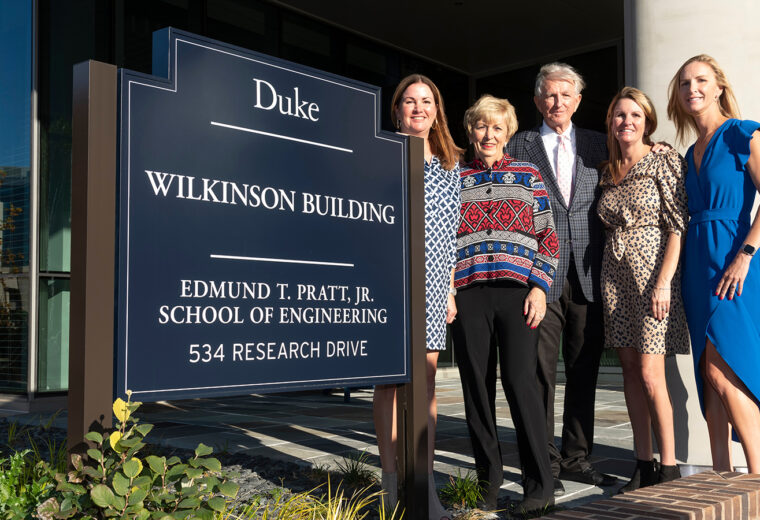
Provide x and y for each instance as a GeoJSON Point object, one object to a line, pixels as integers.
{"type": "Point", "coordinates": [564, 168]}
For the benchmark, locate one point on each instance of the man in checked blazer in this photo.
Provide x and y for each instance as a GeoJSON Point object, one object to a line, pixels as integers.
{"type": "Point", "coordinates": [573, 315]}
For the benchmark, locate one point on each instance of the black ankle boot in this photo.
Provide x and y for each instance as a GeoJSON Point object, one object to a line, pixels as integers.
{"type": "Point", "coordinates": [650, 473]}
{"type": "Point", "coordinates": [645, 474]}
{"type": "Point", "coordinates": [668, 473]}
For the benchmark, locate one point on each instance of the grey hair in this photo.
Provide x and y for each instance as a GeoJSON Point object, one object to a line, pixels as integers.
{"type": "Point", "coordinates": [558, 72]}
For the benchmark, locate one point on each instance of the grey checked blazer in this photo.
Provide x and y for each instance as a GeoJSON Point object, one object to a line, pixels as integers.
{"type": "Point", "coordinates": [578, 227]}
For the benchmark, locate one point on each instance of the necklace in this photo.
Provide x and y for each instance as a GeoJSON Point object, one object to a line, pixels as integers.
{"type": "Point", "coordinates": [702, 142]}
{"type": "Point", "coordinates": [701, 145]}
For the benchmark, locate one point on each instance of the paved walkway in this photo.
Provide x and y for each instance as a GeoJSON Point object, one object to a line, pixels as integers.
{"type": "Point", "coordinates": [321, 428]}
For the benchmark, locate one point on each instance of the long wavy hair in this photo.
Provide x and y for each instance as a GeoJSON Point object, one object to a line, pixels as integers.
{"type": "Point", "coordinates": [684, 122]}
{"type": "Point", "coordinates": [614, 164]}
{"type": "Point", "coordinates": [441, 143]}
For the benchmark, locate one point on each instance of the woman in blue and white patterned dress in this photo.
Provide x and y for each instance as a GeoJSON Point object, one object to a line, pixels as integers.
{"type": "Point", "coordinates": [417, 109]}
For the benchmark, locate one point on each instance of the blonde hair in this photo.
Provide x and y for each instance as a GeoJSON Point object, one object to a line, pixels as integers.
{"type": "Point", "coordinates": [441, 143]}
{"type": "Point", "coordinates": [613, 146]}
{"type": "Point", "coordinates": [685, 122]}
{"type": "Point", "coordinates": [490, 109]}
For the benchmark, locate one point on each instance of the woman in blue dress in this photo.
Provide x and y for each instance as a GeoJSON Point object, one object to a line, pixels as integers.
{"type": "Point", "coordinates": [417, 109]}
{"type": "Point", "coordinates": [721, 283]}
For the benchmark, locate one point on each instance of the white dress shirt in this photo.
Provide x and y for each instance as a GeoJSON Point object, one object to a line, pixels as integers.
{"type": "Point", "coordinates": [549, 137]}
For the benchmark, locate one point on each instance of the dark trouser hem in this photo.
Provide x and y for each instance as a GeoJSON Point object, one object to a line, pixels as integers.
{"type": "Point", "coordinates": [577, 325]}
{"type": "Point", "coordinates": [490, 326]}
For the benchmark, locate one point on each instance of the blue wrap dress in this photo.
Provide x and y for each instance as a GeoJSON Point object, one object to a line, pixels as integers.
{"type": "Point", "coordinates": [721, 197]}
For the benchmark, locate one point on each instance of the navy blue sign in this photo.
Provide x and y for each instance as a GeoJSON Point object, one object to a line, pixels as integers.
{"type": "Point", "coordinates": [263, 227]}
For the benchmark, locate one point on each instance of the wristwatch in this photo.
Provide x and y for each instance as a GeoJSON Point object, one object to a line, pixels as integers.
{"type": "Point", "coordinates": [452, 291]}
{"type": "Point", "coordinates": [748, 250]}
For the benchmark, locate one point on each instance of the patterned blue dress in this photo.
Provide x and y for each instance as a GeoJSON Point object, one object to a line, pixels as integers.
{"type": "Point", "coordinates": [721, 196]}
{"type": "Point", "coordinates": [441, 220]}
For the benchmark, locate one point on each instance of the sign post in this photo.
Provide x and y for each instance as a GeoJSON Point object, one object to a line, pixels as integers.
{"type": "Point", "coordinates": [93, 210]}
{"type": "Point", "coordinates": [269, 237]}
{"type": "Point", "coordinates": [412, 398]}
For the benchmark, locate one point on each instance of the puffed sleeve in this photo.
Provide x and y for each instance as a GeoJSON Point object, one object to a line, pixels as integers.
{"type": "Point", "coordinates": [673, 201]}
{"type": "Point", "coordinates": [455, 212]}
{"type": "Point", "coordinates": [545, 265]}
{"type": "Point", "coordinates": [741, 135]}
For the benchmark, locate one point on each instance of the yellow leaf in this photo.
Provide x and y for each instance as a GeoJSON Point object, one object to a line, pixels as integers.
{"type": "Point", "coordinates": [120, 410]}
{"type": "Point", "coordinates": [114, 438]}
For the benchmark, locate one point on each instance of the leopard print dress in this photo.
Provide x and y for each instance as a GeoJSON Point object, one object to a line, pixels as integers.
{"type": "Point", "coordinates": [639, 214]}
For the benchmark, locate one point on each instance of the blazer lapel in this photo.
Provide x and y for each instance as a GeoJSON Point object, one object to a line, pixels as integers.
{"type": "Point", "coordinates": [537, 153]}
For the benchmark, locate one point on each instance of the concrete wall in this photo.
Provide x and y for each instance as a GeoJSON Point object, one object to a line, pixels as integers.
{"type": "Point", "coordinates": [659, 37]}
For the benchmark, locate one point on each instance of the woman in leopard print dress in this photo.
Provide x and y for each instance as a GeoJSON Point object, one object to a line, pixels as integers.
{"type": "Point", "coordinates": [643, 207]}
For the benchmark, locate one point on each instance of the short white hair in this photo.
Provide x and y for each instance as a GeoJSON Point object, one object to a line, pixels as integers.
{"type": "Point", "coordinates": [558, 72]}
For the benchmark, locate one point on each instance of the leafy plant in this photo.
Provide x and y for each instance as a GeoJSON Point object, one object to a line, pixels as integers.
{"type": "Point", "coordinates": [356, 471]}
{"type": "Point", "coordinates": [14, 434]}
{"type": "Point", "coordinates": [335, 505]}
{"type": "Point", "coordinates": [114, 481]}
{"type": "Point", "coordinates": [464, 491]}
{"type": "Point", "coordinates": [277, 493]}
{"type": "Point", "coordinates": [339, 506]}
{"type": "Point", "coordinates": [222, 447]}
{"type": "Point", "coordinates": [23, 484]}
{"type": "Point", "coordinates": [515, 512]}
{"type": "Point", "coordinates": [319, 472]}
{"type": "Point", "coordinates": [56, 451]}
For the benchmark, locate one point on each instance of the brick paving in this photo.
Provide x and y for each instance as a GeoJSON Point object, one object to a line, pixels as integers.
{"type": "Point", "coordinates": [704, 496]}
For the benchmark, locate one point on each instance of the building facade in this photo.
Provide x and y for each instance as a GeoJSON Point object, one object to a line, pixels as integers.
{"type": "Point", "coordinates": [43, 39]}
{"type": "Point", "coordinates": [467, 47]}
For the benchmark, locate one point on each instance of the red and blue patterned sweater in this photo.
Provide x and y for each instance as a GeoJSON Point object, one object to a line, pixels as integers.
{"type": "Point", "coordinates": [506, 230]}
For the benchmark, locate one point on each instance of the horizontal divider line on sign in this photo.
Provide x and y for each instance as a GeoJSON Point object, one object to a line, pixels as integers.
{"type": "Point", "coordinates": [280, 260]}
{"type": "Point", "coordinates": [251, 130]}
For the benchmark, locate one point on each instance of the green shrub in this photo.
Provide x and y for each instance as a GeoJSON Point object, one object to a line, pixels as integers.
{"type": "Point", "coordinates": [113, 481]}
{"type": "Point", "coordinates": [24, 483]}
{"type": "Point", "coordinates": [356, 471]}
{"type": "Point", "coordinates": [464, 491]}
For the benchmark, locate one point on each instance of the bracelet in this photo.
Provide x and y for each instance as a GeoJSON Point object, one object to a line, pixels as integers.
{"type": "Point", "coordinates": [662, 288]}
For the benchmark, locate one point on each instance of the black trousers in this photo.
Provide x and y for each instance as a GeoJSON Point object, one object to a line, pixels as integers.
{"type": "Point", "coordinates": [578, 324]}
{"type": "Point", "coordinates": [490, 323]}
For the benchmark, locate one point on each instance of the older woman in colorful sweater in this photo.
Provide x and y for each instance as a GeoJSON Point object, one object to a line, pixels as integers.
{"type": "Point", "coordinates": [507, 252]}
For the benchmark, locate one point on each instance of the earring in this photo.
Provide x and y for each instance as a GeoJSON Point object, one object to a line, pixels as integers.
{"type": "Point", "coordinates": [398, 124]}
{"type": "Point", "coordinates": [433, 125]}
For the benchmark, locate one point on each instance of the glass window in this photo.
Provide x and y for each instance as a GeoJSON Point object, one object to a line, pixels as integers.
{"type": "Point", "coordinates": [15, 139]}
{"type": "Point", "coordinates": [70, 32]}
{"type": "Point", "coordinates": [309, 43]}
{"type": "Point", "coordinates": [250, 24]}
{"type": "Point", "coordinates": [233, 13]}
{"type": "Point", "coordinates": [14, 333]}
{"type": "Point", "coordinates": [141, 18]}
{"type": "Point", "coordinates": [53, 360]}
{"type": "Point", "coordinates": [367, 59]}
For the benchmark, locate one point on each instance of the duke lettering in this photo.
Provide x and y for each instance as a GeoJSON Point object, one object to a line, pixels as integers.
{"type": "Point", "coordinates": [267, 98]}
